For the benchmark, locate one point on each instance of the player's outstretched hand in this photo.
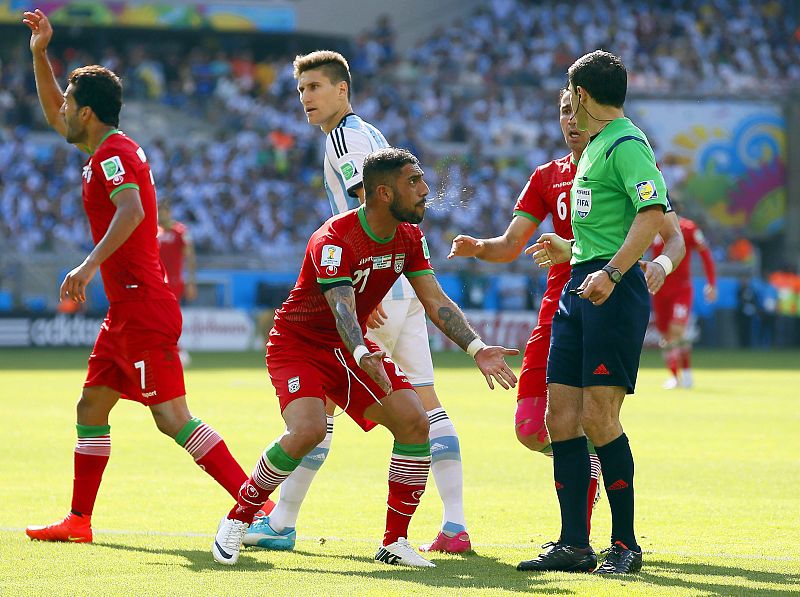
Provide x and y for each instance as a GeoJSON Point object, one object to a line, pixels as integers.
{"type": "Point", "coordinates": [76, 281]}
{"type": "Point", "coordinates": [377, 318]}
{"type": "Point", "coordinates": [491, 361]}
{"type": "Point", "coordinates": [550, 249]}
{"type": "Point", "coordinates": [41, 30]}
{"type": "Point", "coordinates": [654, 275]}
{"type": "Point", "coordinates": [372, 365]}
{"type": "Point", "coordinates": [465, 246]}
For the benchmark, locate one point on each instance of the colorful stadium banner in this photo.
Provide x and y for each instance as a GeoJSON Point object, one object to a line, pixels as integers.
{"type": "Point", "coordinates": [197, 15]}
{"type": "Point", "coordinates": [733, 153]}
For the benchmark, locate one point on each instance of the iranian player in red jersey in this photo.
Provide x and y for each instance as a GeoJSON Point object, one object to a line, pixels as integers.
{"type": "Point", "coordinates": [672, 305]}
{"type": "Point", "coordinates": [136, 354]}
{"type": "Point", "coordinates": [177, 253]}
{"type": "Point", "coordinates": [317, 349]}
{"type": "Point", "coordinates": [547, 193]}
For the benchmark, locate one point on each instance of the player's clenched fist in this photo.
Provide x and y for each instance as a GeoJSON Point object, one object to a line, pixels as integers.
{"type": "Point", "coordinates": [41, 30]}
{"type": "Point", "coordinates": [465, 246]}
{"type": "Point", "coordinates": [372, 365]}
{"type": "Point", "coordinates": [491, 361]}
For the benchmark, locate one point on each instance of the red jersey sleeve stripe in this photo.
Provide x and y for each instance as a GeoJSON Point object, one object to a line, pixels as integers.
{"type": "Point", "coordinates": [525, 214]}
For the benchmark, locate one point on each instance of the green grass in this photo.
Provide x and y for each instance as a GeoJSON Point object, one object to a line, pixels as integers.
{"type": "Point", "coordinates": [717, 486]}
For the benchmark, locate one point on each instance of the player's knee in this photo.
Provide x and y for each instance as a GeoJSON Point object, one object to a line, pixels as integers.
{"type": "Point", "coordinates": [596, 420]}
{"type": "Point", "coordinates": [306, 435]}
{"type": "Point", "coordinates": [532, 435]}
{"type": "Point", "coordinates": [414, 426]}
{"type": "Point", "coordinates": [419, 426]}
{"type": "Point", "coordinates": [562, 423]}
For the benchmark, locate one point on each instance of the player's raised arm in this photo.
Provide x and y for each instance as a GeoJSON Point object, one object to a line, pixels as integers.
{"type": "Point", "coordinates": [51, 96]}
{"type": "Point", "coordinates": [449, 318]}
{"type": "Point", "coordinates": [500, 249]}
{"type": "Point", "coordinates": [342, 301]}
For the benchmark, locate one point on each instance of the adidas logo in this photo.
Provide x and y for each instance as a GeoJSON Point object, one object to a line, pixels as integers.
{"type": "Point", "coordinates": [386, 556]}
{"type": "Point", "coordinates": [436, 447]}
{"type": "Point", "coordinates": [320, 456]}
{"type": "Point", "coordinates": [601, 370]}
{"type": "Point", "coordinates": [618, 484]}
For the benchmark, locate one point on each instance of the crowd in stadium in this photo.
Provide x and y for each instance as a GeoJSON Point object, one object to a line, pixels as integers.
{"type": "Point", "coordinates": [475, 89]}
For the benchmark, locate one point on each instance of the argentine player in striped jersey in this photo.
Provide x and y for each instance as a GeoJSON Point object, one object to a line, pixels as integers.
{"type": "Point", "coordinates": [398, 324]}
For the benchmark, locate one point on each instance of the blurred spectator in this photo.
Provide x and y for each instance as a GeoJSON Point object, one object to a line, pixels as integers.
{"type": "Point", "coordinates": [468, 99]}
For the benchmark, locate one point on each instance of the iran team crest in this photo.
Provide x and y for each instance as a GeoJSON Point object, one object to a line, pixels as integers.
{"type": "Point", "coordinates": [294, 384]}
{"type": "Point", "coordinates": [399, 262]}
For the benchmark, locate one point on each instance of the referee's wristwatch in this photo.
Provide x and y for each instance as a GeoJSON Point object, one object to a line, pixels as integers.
{"type": "Point", "coordinates": [613, 273]}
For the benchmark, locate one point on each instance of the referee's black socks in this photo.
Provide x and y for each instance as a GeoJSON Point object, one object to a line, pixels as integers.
{"type": "Point", "coordinates": [571, 471]}
{"type": "Point", "coordinates": [616, 460]}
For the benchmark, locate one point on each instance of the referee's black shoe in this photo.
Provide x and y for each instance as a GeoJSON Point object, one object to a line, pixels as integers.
{"type": "Point", "coordinates": [558, 556]}
{"type": "Point", "coordinates": [621, 560]}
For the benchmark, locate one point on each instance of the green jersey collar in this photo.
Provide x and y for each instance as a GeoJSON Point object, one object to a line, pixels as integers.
{"type": "Point", "coordinates": [362, 217]}
{"type": "Point", "coordinates": [106, 136]}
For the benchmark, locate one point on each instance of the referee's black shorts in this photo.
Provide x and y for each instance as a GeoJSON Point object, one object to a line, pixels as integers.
{"type": "Point", "coordinates": [599, 345]}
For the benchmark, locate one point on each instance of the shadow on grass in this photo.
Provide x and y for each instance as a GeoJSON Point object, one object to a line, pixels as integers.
{"type": "Point", "coordinates": [477, 571]}
{"type": "Point", "coordinates": [197, 560]}
{"type": "Point", "coordinates": [654, 570]}
{"type": "Point", "coordinates": [469, 571]}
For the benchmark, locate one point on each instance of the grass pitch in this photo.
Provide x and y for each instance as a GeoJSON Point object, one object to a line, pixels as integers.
{"type": "Point", "coordinates": [717, 487]}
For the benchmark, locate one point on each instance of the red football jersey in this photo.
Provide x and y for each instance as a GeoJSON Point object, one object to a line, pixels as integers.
{"type": "Point", "coordinates": [172, 242]}
{"type": "Point", "coordinates": [681, 276]}
{"type": "Point", "coordinates": [134, 271]}
{"type": "Point", "coordinates": [548, 192]}
{"type": "Point", "coordinates": [344, 250]}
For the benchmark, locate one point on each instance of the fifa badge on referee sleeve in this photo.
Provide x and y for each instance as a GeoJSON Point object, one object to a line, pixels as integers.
{"type": "Point", "coordinates": [646, 190]}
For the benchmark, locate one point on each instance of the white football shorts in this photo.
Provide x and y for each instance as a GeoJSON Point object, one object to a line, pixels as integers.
{"type": "Point", "coordinates": [404, 337]}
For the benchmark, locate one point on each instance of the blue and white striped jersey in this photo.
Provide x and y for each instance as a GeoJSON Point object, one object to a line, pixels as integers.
{"type": "Point", "coordinates": [346, 147]}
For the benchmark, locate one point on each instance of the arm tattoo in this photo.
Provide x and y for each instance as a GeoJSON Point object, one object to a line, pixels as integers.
{"type": "Point", "coordinates": [454, 324]}
{"type": "Point", "coordinates": [342, 301]}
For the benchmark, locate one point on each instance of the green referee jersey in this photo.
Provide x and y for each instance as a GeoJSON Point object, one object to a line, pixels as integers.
{"type": "Point", "coordinates": [616, 177]}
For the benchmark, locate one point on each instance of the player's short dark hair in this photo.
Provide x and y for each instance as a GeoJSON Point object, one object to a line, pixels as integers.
{"type": "Point", "coordinates": [333, 64]}
{"type": "Point", "coordinates": [383, 166]}
{"type": "Point", "coordinates": [603, 75]}
{"type": "Point", "coordinates": [100, 89]}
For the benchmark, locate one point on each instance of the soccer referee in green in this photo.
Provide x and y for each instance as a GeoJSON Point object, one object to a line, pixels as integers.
{"type": "Point", "coordinates": [618, 203]}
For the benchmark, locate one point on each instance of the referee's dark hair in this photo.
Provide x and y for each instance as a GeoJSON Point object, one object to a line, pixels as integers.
{"type": "Point", "coordinates": [100, 89]}
{"type": "Point", "coordinates": [603, 75]}
{"type": "Point", "coordinates": [382, 167]}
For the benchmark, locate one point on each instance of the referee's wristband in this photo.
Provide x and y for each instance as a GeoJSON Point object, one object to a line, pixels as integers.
{"type": "Point", "coordinates": [359, 352]}
{"type": "Point", "coordinates": [664, 262]}
{"type": "Point", "coordinates": [475, 346]}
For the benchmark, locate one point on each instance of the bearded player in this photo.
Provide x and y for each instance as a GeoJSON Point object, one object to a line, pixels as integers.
{"type": "Point", "coordinates": [136, 353]}
{"type": "Point", "coordinates": [317, 349]}
{"type": "Point", "coordinates": [398, 325]}
{"type": "Point", "coordinates": [672, 305]}
{"type": "Point", "coordinates": [548, 193]}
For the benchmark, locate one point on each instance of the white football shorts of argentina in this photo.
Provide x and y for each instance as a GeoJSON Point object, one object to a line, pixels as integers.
{"type": "Point", "coordinates": [404, 338]}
